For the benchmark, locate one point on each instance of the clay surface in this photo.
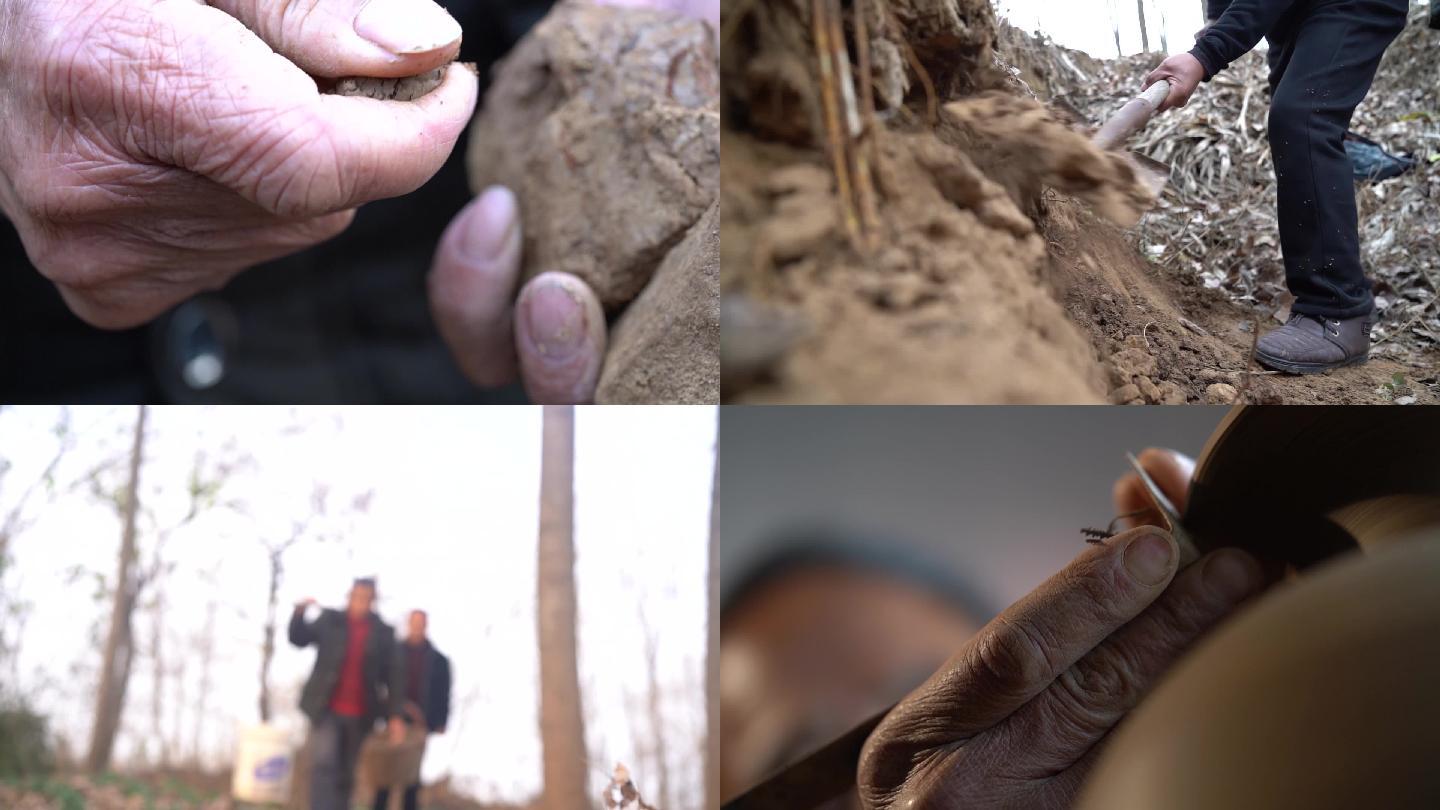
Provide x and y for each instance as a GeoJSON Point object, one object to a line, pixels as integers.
{"type": "Point", "coordinates": [665, 348]}
{"type": "Point", "coordinates": [1356, 634]}
{"type": "Point", "coordinates": [605, 121]}
{"type": "Point", "coordinates": [408, 88]}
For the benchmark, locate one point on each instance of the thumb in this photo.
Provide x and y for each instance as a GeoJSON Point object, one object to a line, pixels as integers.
{"type": "Point", "coordinates": [472, 286]}
{"type": "Point", "coordinates": [560, 336]}
{"type": "Point", "coordinates": [334, 38]}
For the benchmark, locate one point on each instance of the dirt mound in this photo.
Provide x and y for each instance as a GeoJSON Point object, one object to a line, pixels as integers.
{"type": "Point", "coordinates": [950, 244]}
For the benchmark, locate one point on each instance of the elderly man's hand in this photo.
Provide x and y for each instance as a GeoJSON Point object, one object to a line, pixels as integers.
{"type": "Point", "coordinates": [553, 336]}
{"type": "Point", "coordinates": [1184, 72]}
{"type": "Point", "coordinates": [151, 149]}
{"type": "Point", "coordinates": [1017, 716]}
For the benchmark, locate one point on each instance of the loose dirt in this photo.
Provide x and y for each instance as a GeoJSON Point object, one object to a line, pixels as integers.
{"type": "Point", "coordinates": [605, 121]}
{"type": "Point", "coordinates": [408, 88]}
{"type": "Point", "coordinates": [994, 272]}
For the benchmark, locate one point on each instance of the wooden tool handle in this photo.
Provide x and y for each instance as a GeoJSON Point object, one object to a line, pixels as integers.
{"type": "Point", "coordinates": [1132, 116]}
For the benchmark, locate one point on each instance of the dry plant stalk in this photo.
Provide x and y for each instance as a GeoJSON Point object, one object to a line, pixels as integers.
{"type": "Point", "coordinates": [867, 153]}
{"type": "Point", "coordinates": [932, 99]}
{"type": "Point", "coordinates": [834, 135]}
{"type": "Point", "coordinates": [1242, 391]}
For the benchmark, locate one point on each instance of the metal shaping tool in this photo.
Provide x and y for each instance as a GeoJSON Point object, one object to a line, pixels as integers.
{"type": "Point", "coordinates": [1188, 552]}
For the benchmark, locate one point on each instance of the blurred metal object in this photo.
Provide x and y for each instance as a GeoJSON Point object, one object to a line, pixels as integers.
{"type": "Point", "coordinates": [818, 778]}
{"type": "Point", "coordinates": [754, 338]}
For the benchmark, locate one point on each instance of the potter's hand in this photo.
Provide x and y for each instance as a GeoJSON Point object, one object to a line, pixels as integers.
{"type": "Point", "coordinates": [1184, 72]}
{"type": "Point", "coordinates": [1016, 717]}
{"type": "Point", "coordinates": [150, 149]}
{"type": "Point", "coordinates": [553, 336]}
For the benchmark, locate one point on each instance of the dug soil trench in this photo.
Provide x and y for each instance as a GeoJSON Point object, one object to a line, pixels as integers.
{"type": "Point", "coordinates": [957, 244]}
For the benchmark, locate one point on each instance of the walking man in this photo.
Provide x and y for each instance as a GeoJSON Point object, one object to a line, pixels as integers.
{"type": "Point", "coordinates": [348, 690]}
{"type": "Point", "coordinates": [421, 702]}
{"type": "Point", "coordinates": [1323, 56]}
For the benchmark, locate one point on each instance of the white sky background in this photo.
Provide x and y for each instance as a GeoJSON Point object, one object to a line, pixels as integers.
{"type": "Point", "coordinates": [1088, 25]}
{"type": "Point", "coordinates": [451, 527]}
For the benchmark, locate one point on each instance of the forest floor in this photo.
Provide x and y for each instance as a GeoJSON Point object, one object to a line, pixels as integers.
{"type": "Point", "coordinates": [110, 792]}
{"type": "Point", "coordinates": [993, 270]}
{"type": "Point", "coordinates": [173, 790]}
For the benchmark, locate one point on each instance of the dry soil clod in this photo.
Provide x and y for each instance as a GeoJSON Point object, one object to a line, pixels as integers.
{"type": "Point", "coordinates": [407, 88]}
{"type": "Point", "coordinates": [666, 347]}
{"type": "Point", "coordinates": [605, 121]}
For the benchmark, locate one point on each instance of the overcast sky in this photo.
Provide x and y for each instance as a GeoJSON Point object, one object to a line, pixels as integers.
{"type": "Point", "coordinates": [1088, 25]}
{"type": "Point", "coordinates": [451, 528]}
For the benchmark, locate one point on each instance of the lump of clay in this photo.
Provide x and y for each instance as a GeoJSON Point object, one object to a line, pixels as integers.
{"type": "Point", "coordinates": [408, 88]}
{"type": "Point", "coordinates": [605, 121]}
{"type": "Point", "coordinates": [666, 347]}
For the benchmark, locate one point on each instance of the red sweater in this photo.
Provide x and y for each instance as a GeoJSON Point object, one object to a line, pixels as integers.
{"type": "Point", "coordinates": [349, 697]}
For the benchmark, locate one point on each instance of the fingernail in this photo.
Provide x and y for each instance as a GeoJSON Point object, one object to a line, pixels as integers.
{"type": "Point", "coordinates": [407, 26]}
{"type": "Point", "coordinates": [492, 225]}
{"type": "Point", "coordinates": [1148, 559]}
{"type": "Point", "coordinates": [555, 319]}
{"type": "Point", "coordinates": [1231, 573]}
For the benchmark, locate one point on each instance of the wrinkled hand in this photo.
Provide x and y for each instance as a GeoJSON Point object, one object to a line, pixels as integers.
{"type": "Point", "coordinates": [1016, 717]}
{"type": "Point", "coordinates": [553, 336]}
{"type": "Point", "coordinates": [151, 149]}
{"type": "Point", "coordinates": [1184, 72]}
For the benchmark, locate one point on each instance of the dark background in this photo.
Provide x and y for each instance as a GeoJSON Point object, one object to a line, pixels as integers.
{"type": "Point", "coordinates": [991, 499]}
{"type": "Point", "coordinates": [346, 321]}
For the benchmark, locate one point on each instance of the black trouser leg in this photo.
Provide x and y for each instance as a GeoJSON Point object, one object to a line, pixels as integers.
{"type": "Point", "coordinates": [412, 797]}
{"type": "Point", "coordinates": [336, 747]}
{"type": "Point", "coordinates": [382, 798]}
{"type": "Point", "coordinates": [1322, 61]}
{"type": "Point", "coordinates": [354, 729]}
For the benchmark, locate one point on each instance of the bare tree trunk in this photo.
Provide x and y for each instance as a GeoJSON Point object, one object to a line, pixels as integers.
{"type": "Point", "coordinates": [207, 656]}
{"type": "Point", "coordinates": [562, 727]}
{"type": "Point", "coordinates": [1144, 33]}
{"type": "Point", "coordinates": [712, 652]}
{"type": "Point", "coordinates": [267, 649]}
{"type": "Point", "coordinates": [655, 708]}
{"type": "Point", "coordinates": [175, 745]}
{"type": "Point", "coordinates": [116, 658]}
{"type": "Point", "coordinates": [157, 674]}
{"type": "Point", "coordinates": [1164, 31]}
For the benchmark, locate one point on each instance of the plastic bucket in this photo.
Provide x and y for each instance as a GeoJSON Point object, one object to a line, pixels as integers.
{"type": "Point", "coordinates": [264, 764]}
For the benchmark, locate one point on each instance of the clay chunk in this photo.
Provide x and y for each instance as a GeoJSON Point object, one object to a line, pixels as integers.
{"type": "Point", "coordinates": [605, 121]}
{"type": "Point", "coordinates": [666, 347]}
{"type": "Point", "coordinates": [408, 88]}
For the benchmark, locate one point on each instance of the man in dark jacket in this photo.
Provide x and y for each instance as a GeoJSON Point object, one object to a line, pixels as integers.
{"type": "Point", "coordinates": [1323, 57]}
{"type": "Point", "coordinates": [349, 689]}
{"type": "Point", "coordinates": [420, 700]}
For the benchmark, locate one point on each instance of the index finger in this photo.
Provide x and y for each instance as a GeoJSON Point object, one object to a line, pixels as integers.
{"type": "Point", "coordinates": [1023, 650]}
{"type": "Point", "coordinates": [1170, 470]}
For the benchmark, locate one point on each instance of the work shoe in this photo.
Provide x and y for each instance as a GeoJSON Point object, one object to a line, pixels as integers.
{"type": "Point", "coordinates": [1308, 344]}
